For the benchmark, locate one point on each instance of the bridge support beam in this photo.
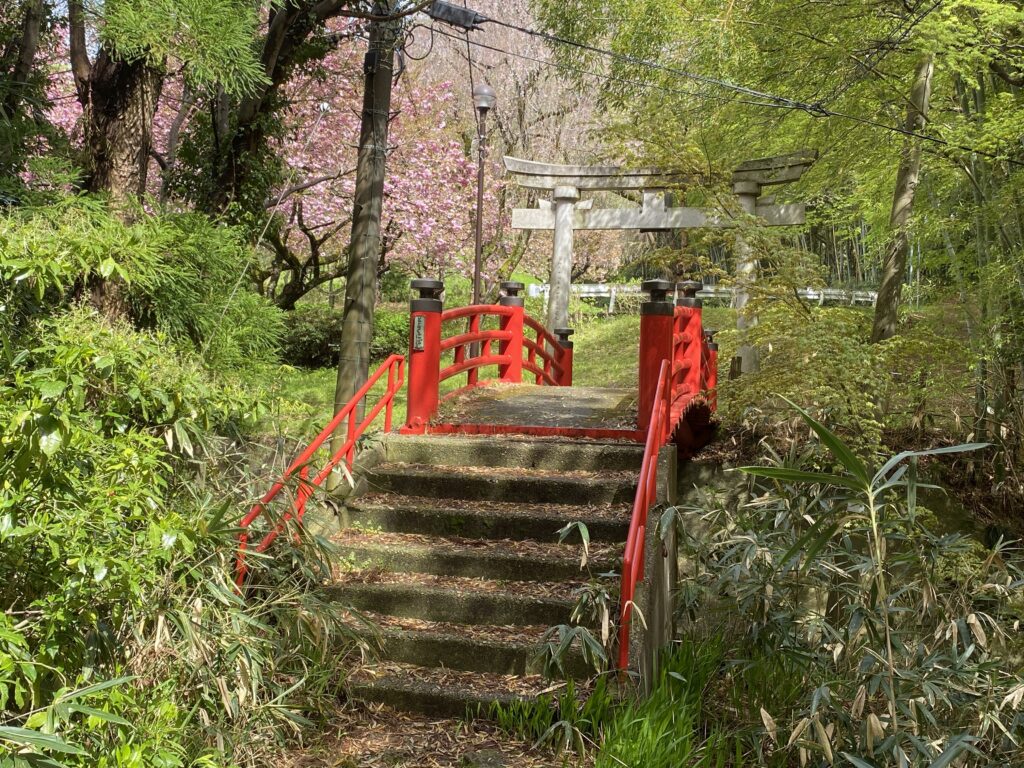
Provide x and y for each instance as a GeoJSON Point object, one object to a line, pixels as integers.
{"type": "Point", "coordinates": [689, 342]}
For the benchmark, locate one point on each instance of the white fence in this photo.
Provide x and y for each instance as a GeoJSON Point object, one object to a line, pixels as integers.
{"type": "Point", "coordinates": [611, 291]}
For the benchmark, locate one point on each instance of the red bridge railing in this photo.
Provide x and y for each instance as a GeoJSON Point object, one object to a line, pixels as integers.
{"type": "Point", "coordinates": [299, 469]}
{"type": "Point", "coordinates": [658, 430]}
{"type": "Point", "coordinates": [480, 336]}
{"type": "Point", "coordinates": [678, 368]}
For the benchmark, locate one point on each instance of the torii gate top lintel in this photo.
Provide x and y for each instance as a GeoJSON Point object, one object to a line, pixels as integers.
{"type": "Point", "coordinates": [766, 171]}
{"type": "Point", "coordinates": [534, 175]}
{"type": "Point", "coordinates": [565, 213]}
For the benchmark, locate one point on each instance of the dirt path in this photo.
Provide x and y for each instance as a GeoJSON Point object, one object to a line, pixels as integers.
{"type": "Point", "coordinates": [379, 737]}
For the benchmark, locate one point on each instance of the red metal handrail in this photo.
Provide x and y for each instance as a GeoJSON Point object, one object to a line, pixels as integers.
{"type": "Point", "coordinates": [546, 347]}
{"type": "Point", "coordinates": [394, 366]}
{"type": "Point", "coordinates": [474, 310]}
{"type": "Point", "coordinates": [658, 433]}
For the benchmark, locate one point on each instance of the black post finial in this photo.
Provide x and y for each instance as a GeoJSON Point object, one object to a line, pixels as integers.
{"type": "Point", "coordinates": [709, 337]}
{"type": "Point", "coordinates": [658, 289]}
{"type": "Point", "coordinates": [689, 290]}
{"type": "Point", "coordinates": [510, 294]}
{"type": "Point", "coordinates": [430, 292]}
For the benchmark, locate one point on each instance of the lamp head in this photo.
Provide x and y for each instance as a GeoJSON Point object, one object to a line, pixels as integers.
{"type": "Point", "coordinates": [484, 98]}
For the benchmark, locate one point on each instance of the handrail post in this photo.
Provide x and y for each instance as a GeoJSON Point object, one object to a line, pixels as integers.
{"type": "Point", "coordinates": [513, 323]}
{"type": "Point", "coordinates": [565, 356]}
{"type": "Point", "coordinates": [424, 353]}
{"type": "Point", "coordinates": [657, 323]}
{"type": "Point", "coordinates": [694, 329]}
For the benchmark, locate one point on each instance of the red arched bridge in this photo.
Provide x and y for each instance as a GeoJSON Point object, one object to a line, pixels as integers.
{"type": "Point", "coordinates": [454, 353]}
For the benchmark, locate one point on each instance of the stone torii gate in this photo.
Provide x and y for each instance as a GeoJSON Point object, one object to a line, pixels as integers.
{"type": "Point", "coordinates": [565, 213]}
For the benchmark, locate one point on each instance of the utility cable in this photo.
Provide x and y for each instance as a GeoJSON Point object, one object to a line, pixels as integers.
{"type": "Point", "coordinates": [816, 109]}
{"type": "Point", "coordinates": [598, 76]}
{"type": "Point", "coordinates": [783, 101]}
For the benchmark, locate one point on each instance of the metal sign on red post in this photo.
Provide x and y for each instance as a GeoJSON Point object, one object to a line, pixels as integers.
{"type": "Point", "coordinates": [424, 353]}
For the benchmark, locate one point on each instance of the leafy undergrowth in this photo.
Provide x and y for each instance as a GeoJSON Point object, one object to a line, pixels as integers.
{"type": "Point", "coordinates": [682, 722]}
{"type": "Point", "coordinates": [123, 641]}
{"type": "Point", "coordinates": [892, 644]}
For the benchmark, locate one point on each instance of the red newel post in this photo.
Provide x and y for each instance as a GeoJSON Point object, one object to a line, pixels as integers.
{"type": "Point", "coordinates": [656, 326]}
{"type": "Point", "coordinates": [514, 323]}
{"type": "Point", "coordinates": [565, 358]}
{"type": "Point", "coordinates": [692, 351]}
{"type": "Point", "coordinates": [424, 353]}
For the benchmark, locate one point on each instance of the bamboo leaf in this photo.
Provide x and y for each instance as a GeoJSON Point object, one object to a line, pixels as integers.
{"type": "Point", "coordinates": [91, 689]}
{"type": "Point", "coordinates": [838, 448]}
{"type": "Point", "coordinates": [899, 457]}
{"type": "Point", "coordinates": [857, 762]}
{"type": "Point", "coordinates": [801, 476]}
{"type": "Point", "coordinates": [27, 737]}
{"type": "Point", "coordinates": [956, 746]}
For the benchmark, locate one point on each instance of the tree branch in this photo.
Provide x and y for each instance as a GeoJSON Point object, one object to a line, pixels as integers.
{"type": "Point", "coordinates": [1004, 74]}
{"type": "Point", "coordinates": [306, 185]}
{"type": "Point", "coordinates": [81, 68]}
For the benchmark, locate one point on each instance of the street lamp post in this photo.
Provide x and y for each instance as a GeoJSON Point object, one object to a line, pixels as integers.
{"type": "Point", "coordinates": [484, 99]}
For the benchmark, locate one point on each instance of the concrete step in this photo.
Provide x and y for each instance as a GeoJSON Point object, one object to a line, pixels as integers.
{"type": "Point", "coordinates": [523, 486]}
{"type": "Point", "coordinates": [485, 559]}
{"type": "Point", "coordinates": [500, 650]}
{"type": "Point", "coordinates": [457, 602]}
{"type": "Point", "coordinates": [440, 692]}
{"type": "Point", "coordinates": [482, 519]}
{"type": "Point", "coordinates": [511, 451]}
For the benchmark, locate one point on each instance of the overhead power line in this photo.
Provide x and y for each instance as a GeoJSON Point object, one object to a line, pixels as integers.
{"type": "Point", "coordinates": [591, 74]}
{"type": "Point", "coordinates": [439, 11]}
{"type": "Point", "coordinates": [782, 101]}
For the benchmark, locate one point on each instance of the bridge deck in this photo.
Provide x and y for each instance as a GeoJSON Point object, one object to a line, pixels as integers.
{"type": "Point", "coordinates": [594, 412]}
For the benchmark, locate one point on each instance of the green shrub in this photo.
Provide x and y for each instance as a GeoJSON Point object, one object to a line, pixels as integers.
{"type": "Point", "coordinates": [313, 333]}
{"type": "Point", "coordinates": [122, 639]}
{"type": "Point", "coordinates": [177, 273]}
{"type": "Point", "coordinates": [132, 380]}
{"type": "Point", "coordinates": [390, 333]}
{"type": "Point", "coordinates": [394, 284]}
{"type": "Point", "coordinates": [903, 634]}
{"type": "Point", "coordinates": [199, 293]}
{"type": "Point", "coordinates": [822, 359]}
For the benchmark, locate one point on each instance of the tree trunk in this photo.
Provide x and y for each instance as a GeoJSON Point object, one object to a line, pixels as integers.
{"type": "Point", "coordinates": [365, 248]}
{"type": "Point", "coordinates": [24, 55]}
{"type": "Point", "coordinates": [894, 264]}
{"type": "Point", "coordinates": [15, 84]}
{"type": "Point", "coordinates": [122, 101]}
{"type": "Point", "coordinates": [119, 98]}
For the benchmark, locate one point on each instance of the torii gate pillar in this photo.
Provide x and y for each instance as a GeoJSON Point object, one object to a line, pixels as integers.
{"type": "Point", "coordinates": [747, 356]}
{"type": "Point", "coordinates": [565, 198]}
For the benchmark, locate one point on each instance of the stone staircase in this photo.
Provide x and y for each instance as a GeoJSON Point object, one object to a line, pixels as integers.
{"type": "Point", "coordinates": [452, 550]}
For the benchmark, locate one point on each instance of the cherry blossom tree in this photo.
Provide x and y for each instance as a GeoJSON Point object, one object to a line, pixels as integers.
{"type": "Point", "coordinates": [429, 206]}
